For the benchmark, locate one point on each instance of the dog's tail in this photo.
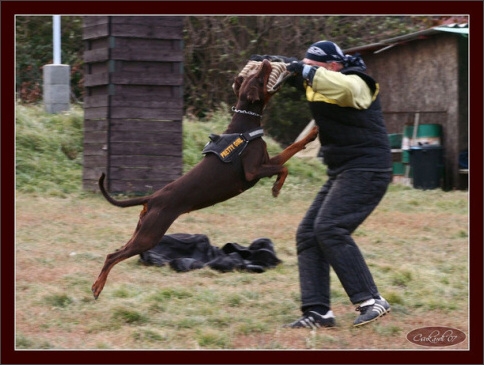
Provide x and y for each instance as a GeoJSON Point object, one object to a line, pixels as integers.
{"type": "Point", "coordinates": [120, 203]}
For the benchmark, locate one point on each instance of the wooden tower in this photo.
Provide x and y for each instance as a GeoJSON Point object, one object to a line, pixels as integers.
{"type": "Point", "coordinates": [133, 102]}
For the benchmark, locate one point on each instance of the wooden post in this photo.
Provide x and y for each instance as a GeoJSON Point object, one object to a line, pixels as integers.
{"type": "Point", "coordinates": [133, 102]}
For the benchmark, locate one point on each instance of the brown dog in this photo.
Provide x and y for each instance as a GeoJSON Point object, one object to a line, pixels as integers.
{"type": "Point", "coordinates": [211, 181]}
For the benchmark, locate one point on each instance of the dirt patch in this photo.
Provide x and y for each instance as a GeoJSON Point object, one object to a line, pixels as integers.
{"type": "Point", "coordinates": [419, 258]}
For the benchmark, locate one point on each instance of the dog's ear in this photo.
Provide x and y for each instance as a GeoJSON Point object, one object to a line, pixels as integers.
{"type": "Point", "coordinates": [237, 84]}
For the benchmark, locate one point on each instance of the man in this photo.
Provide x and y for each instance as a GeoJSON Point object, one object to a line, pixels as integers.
{"type": "Point", "coordinates": [345, 105]}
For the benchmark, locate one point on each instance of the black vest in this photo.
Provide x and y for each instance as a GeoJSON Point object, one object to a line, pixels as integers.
{"type": "Point", "coordinates": [352, 138]}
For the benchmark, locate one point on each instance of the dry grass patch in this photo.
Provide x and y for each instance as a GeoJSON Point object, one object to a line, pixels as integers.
{"type": "Point", "coordinates": [416, 243]}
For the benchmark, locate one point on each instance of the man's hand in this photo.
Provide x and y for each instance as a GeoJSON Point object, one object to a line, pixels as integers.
{"type": "Point", "coordinates": [257, 57]}
{"type": "Point", "coordinates": [271, 58]}
{"type": "Point", "coordinates": [296, 67]}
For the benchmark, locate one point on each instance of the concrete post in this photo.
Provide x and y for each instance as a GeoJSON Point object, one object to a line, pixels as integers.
{"type": "Point", "coordinates": [56, 88]}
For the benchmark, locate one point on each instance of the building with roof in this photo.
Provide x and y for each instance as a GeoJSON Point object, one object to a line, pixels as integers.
{"type": "Point", "coordinates": [423, 79]}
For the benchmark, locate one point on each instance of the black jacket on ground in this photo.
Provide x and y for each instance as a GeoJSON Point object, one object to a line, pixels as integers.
{"type": "Point", "coordinates": [186, 252]}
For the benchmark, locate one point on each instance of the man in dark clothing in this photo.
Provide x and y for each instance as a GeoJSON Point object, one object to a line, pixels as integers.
{"type": "Point", "coordinates": [344, 102]}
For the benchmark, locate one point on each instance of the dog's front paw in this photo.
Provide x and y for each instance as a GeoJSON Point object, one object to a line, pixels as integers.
{"type": "Point", "coordinates": [311, 136]}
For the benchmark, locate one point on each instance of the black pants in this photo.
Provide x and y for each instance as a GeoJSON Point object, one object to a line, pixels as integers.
{"type": "Point", "coordinates": [324, 237]}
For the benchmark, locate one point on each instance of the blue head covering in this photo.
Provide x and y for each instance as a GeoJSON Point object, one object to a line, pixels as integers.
{"type": "Point", "coordinates": [326, 51]}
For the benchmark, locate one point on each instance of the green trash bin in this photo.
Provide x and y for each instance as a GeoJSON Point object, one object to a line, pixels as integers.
{"type": "Point", "coordinates": [427, 134]}
{"type": "Point", "coordinates": [427, 166]}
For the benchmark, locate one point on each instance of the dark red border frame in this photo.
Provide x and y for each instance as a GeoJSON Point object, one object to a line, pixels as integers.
{"type": "Point", "coordinates": [8, 11]}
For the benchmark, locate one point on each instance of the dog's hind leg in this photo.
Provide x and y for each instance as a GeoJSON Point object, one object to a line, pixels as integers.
{"type": "Point", "coordinates": [150, 230]}
{"type": "Point", "coordinates": [111, 260]}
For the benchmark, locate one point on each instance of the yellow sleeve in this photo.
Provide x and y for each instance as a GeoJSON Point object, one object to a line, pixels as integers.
{"type": "Point", "coordinates": [340, 89]}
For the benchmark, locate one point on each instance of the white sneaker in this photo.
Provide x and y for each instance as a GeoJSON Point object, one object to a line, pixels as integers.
{"type": "Point", "coordinates": [314, 320]}
{"type": "Point", "coordinates": [370, 310]}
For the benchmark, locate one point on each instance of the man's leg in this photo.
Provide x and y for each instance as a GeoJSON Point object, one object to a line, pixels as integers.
{"type": "Point", "coordinates": [352, 198]}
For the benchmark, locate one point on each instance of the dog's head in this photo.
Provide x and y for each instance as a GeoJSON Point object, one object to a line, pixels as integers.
{"type": "Point", "coordinates": [258, 81]}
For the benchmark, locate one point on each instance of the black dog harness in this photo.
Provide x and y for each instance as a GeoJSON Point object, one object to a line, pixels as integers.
{"type": "Point", "coordinates": [228, 146]}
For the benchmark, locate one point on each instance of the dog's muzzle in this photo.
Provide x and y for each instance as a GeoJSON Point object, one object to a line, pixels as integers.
{"type": "Point", "coordinates": [276, 78]}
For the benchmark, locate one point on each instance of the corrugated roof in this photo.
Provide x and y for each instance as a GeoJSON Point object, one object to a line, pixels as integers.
{"type": "Point", "coordinates": [462, 29]}
{"type": "Point", "coordinates": [454, 28]}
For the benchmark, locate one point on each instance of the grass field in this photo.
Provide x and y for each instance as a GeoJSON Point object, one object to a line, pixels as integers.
{"type": "Point", "coordinates": [416, 244]}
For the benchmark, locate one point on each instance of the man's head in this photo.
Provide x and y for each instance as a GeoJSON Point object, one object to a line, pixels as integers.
{"type": "Point", "coordinates": [328, 55]}
{"type": "Point", "coordinates": [325, 54]}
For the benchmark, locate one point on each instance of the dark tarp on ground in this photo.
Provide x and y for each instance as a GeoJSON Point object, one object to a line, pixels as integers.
{"type": "Point", "coordinates": [185, 252]}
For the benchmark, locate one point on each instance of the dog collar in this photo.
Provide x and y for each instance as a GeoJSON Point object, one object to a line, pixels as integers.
{"type": "Point", "coordinates": [246, 112]}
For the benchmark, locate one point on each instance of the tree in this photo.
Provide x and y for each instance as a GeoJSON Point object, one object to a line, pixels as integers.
{"type": "Point", "coordinates": [34, 49]}
{"type": "Point", "coordinates": [216, 49]}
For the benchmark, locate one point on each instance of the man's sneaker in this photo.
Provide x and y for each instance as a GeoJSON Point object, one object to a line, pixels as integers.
{"type": "Point", "coordinates": [314, 320]}
{"type": "Point", "coordinates": [371, 310]}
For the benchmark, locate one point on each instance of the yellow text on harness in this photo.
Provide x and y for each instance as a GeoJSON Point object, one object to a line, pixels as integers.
{"type": "Point", "coordinates": [231, 147]}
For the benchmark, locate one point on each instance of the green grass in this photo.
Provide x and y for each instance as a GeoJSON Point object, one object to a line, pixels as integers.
{"type": "Point", "coordinates": [48, 150]}
{"type": "Point", "coordinates": [416, 244]}
{"type": "Point", "coordinates": [58, 300]}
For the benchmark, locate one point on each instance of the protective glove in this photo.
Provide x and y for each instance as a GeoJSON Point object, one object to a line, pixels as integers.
{"type": "Point", "coordinates": [296, 67]}
{"type": "Point", "coordinates": [271, 58]}
{"type": "Point", "coordinates": [299, 68]}
{"type": "Point", "coordinates": [257, 57]}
